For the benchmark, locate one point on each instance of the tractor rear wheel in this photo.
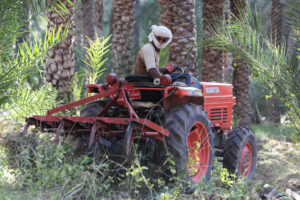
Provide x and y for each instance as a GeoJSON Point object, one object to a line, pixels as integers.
{"type": "Point", "coordinates": [79, 143]}
{"type": "Point", "coordinates": [190, 141]}
{"type": "Point", "coordinates": [240, 152]}
{"type": "Point", "coordinates": [92, 109]}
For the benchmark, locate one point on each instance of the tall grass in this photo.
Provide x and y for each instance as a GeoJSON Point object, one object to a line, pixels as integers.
{"type": "Point", "coordinates": [277, 132]}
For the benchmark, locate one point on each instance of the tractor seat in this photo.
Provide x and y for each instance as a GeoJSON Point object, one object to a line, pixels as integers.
{"type": "Point", "coordinates": [144, 80]}
{"type": "Point", "coordinates": [141, 80]}
{"type": "Point", "coordinates": [138, 78]}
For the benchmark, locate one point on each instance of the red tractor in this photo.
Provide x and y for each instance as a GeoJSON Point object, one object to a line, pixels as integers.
{"type": "Point", "coordinates": [191, 120]}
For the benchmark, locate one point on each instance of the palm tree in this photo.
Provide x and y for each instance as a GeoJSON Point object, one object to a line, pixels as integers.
{"type": "Point", "coordinates": [241, 79]}
{"type": "Point", "coordinates": [99, 12]}
{"type": "Point", "coordinates": [213, 59]}
{"type": "Point", "coordinates": [273, 104]}
{"type": "Point", "coordinates": [60, 62]}
{"type": "Point", "coordinates": [123, 35]}
{"type": "Point", "coordinates": [179, 17]}
{"type": "Point", "coordinates": [78, 32]}
{"type": "Point", "coordinates": [88, 21]}
{"type": "Point", "coordinates": [25, 28]}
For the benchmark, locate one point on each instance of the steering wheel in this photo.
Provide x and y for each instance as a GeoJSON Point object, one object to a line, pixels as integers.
{"type": "Point", "coordinates": [177, 75]}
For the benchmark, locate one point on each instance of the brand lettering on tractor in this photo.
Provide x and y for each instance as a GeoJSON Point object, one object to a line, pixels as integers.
{"type": "Point", "coordinates": [192, 91]}
{"type": "Point", "coordinates": [212, 90]}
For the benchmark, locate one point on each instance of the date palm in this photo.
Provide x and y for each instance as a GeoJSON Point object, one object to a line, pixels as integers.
{"type": "Point", "coordinates": [88, 21]}
{"type": "Point", "coordinates": [99, 12]}
{"type": "Point", "coordinates": [213, 59]}
{"type": "Point", "coordinates": [273, 104]}
{"type": "Point", "coordinates": [123, 36]}
{"type": "Point", "coordinates": [60, 62]}
{"type": "Point", "coordinates": [179, 17]}
{"type": "Point", "coordinates": [241, 78]}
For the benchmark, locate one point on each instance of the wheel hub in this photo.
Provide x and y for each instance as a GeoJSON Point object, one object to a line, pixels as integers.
{"type": "Point", "coordinates": [246, 160]}
{"type": "Point", "coordinates": [198, 152]}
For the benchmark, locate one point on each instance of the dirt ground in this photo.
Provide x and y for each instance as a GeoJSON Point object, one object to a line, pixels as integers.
{"type": "Point", "coordinates": [278, 169]}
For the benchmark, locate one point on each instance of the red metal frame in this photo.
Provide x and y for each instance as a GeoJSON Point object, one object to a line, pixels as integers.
{"type": "Point", "coordinates": [101, 126]}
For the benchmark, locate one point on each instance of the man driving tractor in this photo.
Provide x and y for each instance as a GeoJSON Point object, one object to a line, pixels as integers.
{"type": "Point", "coordinates": [147, 61]}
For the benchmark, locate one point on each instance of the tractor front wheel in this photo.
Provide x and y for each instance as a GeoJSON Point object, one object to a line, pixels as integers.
{"type": "Point", "coordinates": [240, 152]}
{"type": "Point", "coordinates": [190, 141]}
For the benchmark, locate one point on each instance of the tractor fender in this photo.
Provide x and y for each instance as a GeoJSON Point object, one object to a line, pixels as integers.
{"type": "Point", "coordinates": [182, 95]}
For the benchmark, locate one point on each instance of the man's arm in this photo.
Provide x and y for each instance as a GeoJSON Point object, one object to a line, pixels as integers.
{"type": "Point", "coordinates": [154, 73]}
{"type": "Point", "coordinates": [162, 70]}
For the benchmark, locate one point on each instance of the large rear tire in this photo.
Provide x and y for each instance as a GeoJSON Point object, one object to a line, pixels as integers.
{"type": "Point", "coordinates": [79, 143]}
{"type": "Point", "coordinates": [92, 109]}
{"type": "Point", "coordinates": [190, 141]}
{"type": "Point", "coordinates": [240, 152]}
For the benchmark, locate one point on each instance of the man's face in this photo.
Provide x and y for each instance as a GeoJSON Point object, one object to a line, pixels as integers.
{"type": "Point", "coordinates": [161, 39]}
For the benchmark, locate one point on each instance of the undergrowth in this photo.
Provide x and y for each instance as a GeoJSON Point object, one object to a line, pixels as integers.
{"type": "Point", "coordinates": [278, 132]}
{"type": "Point", "coordinates": [36, 167]}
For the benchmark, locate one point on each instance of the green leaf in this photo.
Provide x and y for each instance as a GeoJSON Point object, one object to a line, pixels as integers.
{"type": "Point", "coordinates": [173, 171]}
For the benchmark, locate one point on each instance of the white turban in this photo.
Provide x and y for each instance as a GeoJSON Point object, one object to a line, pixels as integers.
{"type": "Point", "coordinates": [160, 31]}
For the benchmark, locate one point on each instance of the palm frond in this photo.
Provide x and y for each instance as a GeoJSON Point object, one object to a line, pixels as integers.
{"type": "Point", "coordinates": [29, 58]}
{"type": "Point", "coordinates": [245, 38]}
{"type": "Point", "coordinates": [11, 15]}
{"type": "Point", "coordinates": [28, 102]}
{"type": "Point", "coordinates": [94, 59]}
{"type": "Point", "coordinates": [293, 13]}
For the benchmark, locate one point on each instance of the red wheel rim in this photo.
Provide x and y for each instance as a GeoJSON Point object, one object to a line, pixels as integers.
{"type": "Point", "coordinates": [198, 152]}
{"type": "Point", "coordinates": [246, 160]}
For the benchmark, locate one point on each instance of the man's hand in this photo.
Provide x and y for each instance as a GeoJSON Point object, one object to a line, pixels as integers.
{"type": "Point", "coordinates": [170, 68]}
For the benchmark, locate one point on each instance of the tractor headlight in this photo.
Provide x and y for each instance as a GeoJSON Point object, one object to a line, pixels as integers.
{"type": "Point", "coordinates": [111, 78]}
{"type": "Point", "coordinates": [165, 80]}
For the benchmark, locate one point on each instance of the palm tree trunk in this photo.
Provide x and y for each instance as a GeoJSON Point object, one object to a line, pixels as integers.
{"type": "Point", "coordinates": [99, 12]}
{"type": "Point", "coordinates": [137, 29]}
{"type": "Point", "coordinates": [179, 17]}
{"type": "Point", "coordinates": [78, 15]}
{"type": "Point", "coordinates": [213, 60]}
{"type": "Point", "coordinates": [241, 90]}
{"type": "Point", "coordinates": [123, 36]}
{"type": "Point", "coordinates": [88, 21]}
{"type": "Point", "coordinates": [25, 28]}
{"type": "Point", "coordinates": [273, 104]}
{"type": "Point", "coordinates": [241, 79]}
{"type": "Point", "coordinates": [60, 62]}
{"type": "Point", "coordinates": [111, 21]}
{"type": "Point", "coordinates": [277, 21]}
{"type": "Point", "coordinates": [78, 33]}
